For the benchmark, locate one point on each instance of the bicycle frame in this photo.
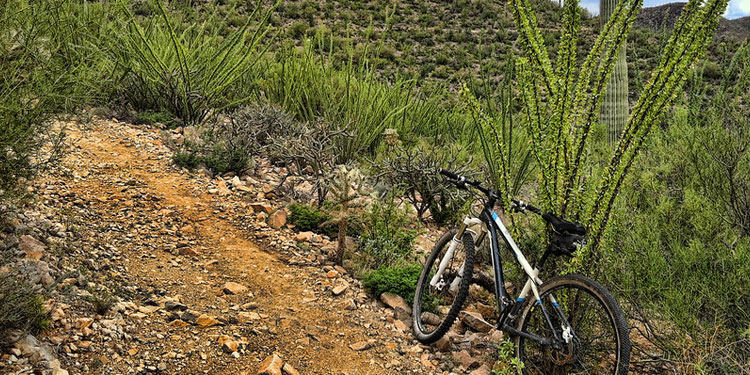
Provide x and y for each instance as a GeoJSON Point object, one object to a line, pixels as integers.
{"type": "Point", "coordinates": [489, 221]}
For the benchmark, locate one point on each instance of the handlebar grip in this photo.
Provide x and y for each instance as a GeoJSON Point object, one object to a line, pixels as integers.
{"type": "Point", "coordinates": [448, 174]}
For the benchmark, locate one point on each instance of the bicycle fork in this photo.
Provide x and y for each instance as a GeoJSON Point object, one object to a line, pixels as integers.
{"type": "Point", "coordinates": [437, 281]}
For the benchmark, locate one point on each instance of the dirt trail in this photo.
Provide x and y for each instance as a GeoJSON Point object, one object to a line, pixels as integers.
{"type": "Point", "coordinates": [146, 208]}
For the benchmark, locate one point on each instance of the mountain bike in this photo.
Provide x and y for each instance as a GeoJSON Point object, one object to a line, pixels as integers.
{"type": "Point", "coordinates": [569, 324]}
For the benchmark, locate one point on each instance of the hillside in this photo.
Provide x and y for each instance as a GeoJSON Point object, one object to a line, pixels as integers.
{"type": "Point", "coordinates": [446, 43]}
{"type": "Point", "coordinates": [665, 16]}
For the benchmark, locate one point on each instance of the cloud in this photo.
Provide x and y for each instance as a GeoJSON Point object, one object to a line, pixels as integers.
{"type": "Point", "coordinates": [737, 9]}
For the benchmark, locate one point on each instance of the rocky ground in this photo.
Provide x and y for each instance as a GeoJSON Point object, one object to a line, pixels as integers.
{"type": "Point", "coordinates": [151, 269]}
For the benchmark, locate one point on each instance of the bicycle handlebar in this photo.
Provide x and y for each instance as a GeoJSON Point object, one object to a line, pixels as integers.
{"type": "Point", "coordinates": [461, 182]}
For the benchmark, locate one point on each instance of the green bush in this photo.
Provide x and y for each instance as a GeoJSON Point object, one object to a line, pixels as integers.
{"type": "Point", "coordinates": [153, 118]}
{"type": "Point", "coordinates": [386, 238]}
{"type": "Point", "coordinates": [398, 280]}
{"type": "Point", "coordinates": [306, 218]}
{"type": "Point", "coordinates": [20, 309]}
{"type": "Point", "coordinates": [186, 159]}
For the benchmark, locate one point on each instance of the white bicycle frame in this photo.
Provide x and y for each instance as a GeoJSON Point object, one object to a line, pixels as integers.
{"type": "Point", "coordinates": [533, 283]}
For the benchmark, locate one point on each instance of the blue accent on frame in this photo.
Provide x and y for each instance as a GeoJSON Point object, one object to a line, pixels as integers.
{"type": "Point", "coordinates": [521, 300]}
{"type": "Point", "coordinates": [555, 304]}
{"type": "Point", "coordinates": [494, 215]}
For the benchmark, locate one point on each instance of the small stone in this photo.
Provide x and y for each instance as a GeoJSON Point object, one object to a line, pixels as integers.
{"type": "Point", "coordinates": [188, 252]}
{"type": "Point", "coordinates": [161, 367]}
{"type": "Point", "coordinates": [31, 247]}
{"type": "Point", "coordinates": [236, 183]}
{"type": "Point", "coordinates": [289, 370]}
{"type": "Point", "coordinates": [475, 321]}
{"type": "Point", "coordinates": [340, 270]}
{"type": "Point", "coordinates": [206, 321]}
{"type": "Point", "coordinates": [230, 346]}
{"type": "Point", "coordinates": [174, 306]}
{"type": "Point", "coordinates": [179, 323]}
{"type": "Point", "coordinates": [425, 360]}
{"type": "Point", "coordinates": [332, 274]}
{"type": "Point", "coordinates": [496, 336]}
{"type": "Point", "coordinates": [223, 338]}
{"type": "Point", "coordinates": [245, 317]}
{"type": "Point", "coordinates": [444, 344]}
{"type": "Point", "coordinates": [337, 291]}
{"type": "Point", "coordinates": [466, 360]}
{"type": "Point", "coordinates": [360, 346]}
{"type": "Point", "coordinates": [304, 236]}
{"type": "Point", "coordinates": [270, 366]}
{"type": "Point", "coordinates": [261, 207]}
{"type": "Point", "coordinates": [400, 326]}
{"type": "Point", "coordinates": [430, 318]}
{"type": "Point", "coordinates": [84, 323]}
{"type": "Point", "coordinates": [394, 301]}
{"type": "Point", "coordinates": [190, 316]}
{"type": "Point", "coordinates": [277, 219]}
{"type": "Point", "coordinates": [234, 288]}
{"type": "Point", "coordinates": [483, 370]}
{"type": "Point", "coordinates": [148, 309]}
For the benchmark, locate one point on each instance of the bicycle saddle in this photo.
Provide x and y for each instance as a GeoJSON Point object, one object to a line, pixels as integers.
{"type": "Point", "coordinates": [563, 226]}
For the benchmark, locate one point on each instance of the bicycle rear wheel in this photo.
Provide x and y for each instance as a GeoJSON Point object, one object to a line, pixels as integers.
{"type": "Point", "coordinates": [600, 343]}
{"type": "Point", "coordinates": [436, 307]}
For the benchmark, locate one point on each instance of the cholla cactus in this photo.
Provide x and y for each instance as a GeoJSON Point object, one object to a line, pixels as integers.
{"type": "Point", "coordinates": [346, 184]}
{"type": "Point", "coordinates": [390, 137]}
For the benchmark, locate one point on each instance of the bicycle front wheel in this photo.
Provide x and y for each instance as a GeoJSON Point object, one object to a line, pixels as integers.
{"type": "Point", "coordinates": [438, 302]}
{"type": "Point", "coordinates": [597, 341]}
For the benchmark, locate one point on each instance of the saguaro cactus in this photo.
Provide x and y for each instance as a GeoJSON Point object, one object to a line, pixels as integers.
{"type": "Point", "coordinates": [614, 109]}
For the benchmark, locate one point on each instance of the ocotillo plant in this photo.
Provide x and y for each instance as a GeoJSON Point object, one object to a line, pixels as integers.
{"type": "Point", "coordinates": [614, 111]}
{"type": "Point", "coordinates": [561, 104]}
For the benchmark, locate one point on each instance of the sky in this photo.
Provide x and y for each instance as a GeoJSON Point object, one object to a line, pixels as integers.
{"type": "Point", "coordinates": [736, 8]}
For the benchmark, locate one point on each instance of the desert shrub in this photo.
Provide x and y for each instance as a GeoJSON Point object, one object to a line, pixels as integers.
{"type": "Point", "coordinates": [398, 280]}
{"type": "Point", "coordinates": [312, 152]}
{"type": "Point", "coordinates": [230, 143]}
{"type": "Point", "coordinates": [153, 118]}
{"type": "Point", "coordinates": [254, 127]}
{"type": "Point", "coordinates": [414, 170]}
{"type": "Point", "coordinates": [711, 70]}
{"type": "Point", "coordinates": [306, 218]}
{"type": "Point", "coordinates": [386, 238]}
{"type": "Point", "coordinates": [36, 84]}
{"type": "Point", "coordinates": [186, 70]}
{"type": "Point", "coordinates": [20, 308]}
{"type": "Point", "coordinates": [684, 245]}
{"type": "Point", "coordinates": [186, 159]}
